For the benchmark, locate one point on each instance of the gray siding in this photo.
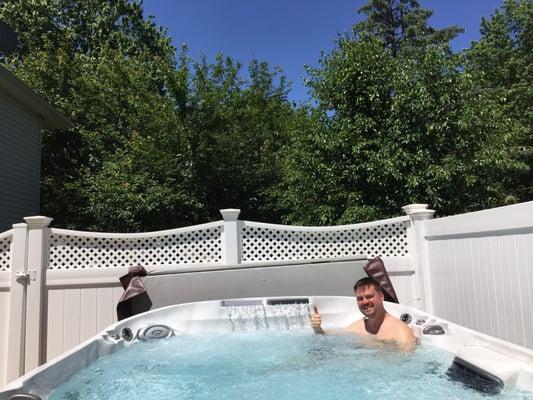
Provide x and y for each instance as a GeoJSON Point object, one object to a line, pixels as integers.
{"type": "Point", "coordinates": [20, 162]}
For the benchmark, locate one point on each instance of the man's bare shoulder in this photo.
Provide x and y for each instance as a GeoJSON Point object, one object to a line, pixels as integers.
{"type": "Point", "coordinates": [357, 327]}
{"type": "Point", "coordinates": [399, 332]}
{"type": "Point", "coordinates": [399, 325]}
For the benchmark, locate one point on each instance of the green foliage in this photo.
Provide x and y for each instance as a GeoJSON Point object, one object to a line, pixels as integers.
{"type": "Point", "coordinates": [308, 192]}
{"type": "Point", "coordinates": [126, 164]}
{"type": "Point", "coordinates": [401, 25]}
{"type": "Point", "coordinates": [236, 128]}
{"type": "Point", "coordinates": [155, 144]}
{"type": "Point", "coordinates": [501, 64]}
{"type": "Point", "coordinates": [160, 143]}
{"type": "Point", "coordinates": [399, 125]}
{"type": "Point", "coordinates": [83, 27]}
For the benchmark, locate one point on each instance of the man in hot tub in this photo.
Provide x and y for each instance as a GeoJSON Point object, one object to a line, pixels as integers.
{"type": "Point", "coordinates": [377, 324]}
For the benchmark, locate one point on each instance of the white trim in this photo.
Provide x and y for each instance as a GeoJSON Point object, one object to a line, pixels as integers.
{"type": "Point", "coordinates": [516, 218]}
{"type": "Point", "coordinates": [37, 221]}
{"type": "Point", "coordinates": [6, 234]}
{"type": "Point", "coordinates": [68, 232]}
{"type": "Point", "coordinates": [18, 294]}
{"type": "Point", "coordinates": [324, 228]}
{"type": "Point", "coordinates": [84, 277]}
{"type": "Point", "coordinates": [5, 279]}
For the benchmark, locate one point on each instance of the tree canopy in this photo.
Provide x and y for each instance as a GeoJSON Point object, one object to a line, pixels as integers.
{"type": "Point", "coordinates": [501, 63]}
{"type": "Point", "coordinates": [236, 128]}
{"type": "Point", "coordinates": [112, 73]}
{"type": "Point", "coordinates": [400, 122]}
{"type": "Point", "coordinates": [158, 142]}
{"type": "Point", "coordinates": [401, 24]}
{"type": "Point", "coordinates": [162, 140]}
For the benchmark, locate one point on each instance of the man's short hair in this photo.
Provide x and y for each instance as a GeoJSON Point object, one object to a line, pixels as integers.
{"type": "Point", "coordinates": [367, 281]}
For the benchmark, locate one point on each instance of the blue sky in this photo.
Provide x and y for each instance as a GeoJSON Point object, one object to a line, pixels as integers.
{"type": "Point", "coordinates": [288, 33]}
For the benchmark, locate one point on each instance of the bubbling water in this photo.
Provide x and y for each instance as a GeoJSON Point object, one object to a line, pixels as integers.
{"type": "Point", "coordinates": [269, 364]}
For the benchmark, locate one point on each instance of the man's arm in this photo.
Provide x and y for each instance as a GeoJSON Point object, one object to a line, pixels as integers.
{"type": "Point", "coordinates": [405, 338]}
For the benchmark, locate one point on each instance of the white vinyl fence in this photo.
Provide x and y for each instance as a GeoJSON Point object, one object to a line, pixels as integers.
{"type": "Point", "coordinates": [59, 287]}
{"type": "Point", "coordinates": [481, 271]}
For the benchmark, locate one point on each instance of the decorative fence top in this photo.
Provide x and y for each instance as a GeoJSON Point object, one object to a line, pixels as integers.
{"type": "Point", "coordinates": [5, 250]}
{"type": "Point", "coordinates": [226, 242]}
{"type": "Point", "coordinates": [196, 244]}
{"type": "Point", "coordinates": [269, 242]}
{"type": "Point", "coordinates": [203, 244]}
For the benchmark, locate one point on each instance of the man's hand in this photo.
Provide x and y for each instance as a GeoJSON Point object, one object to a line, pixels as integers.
{"type": "Point", "coordinates": [316, 320]}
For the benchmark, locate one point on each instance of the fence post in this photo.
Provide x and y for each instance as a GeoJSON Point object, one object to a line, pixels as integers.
{"type": "Point", "coordinates": [418, 214]}
{"type": "Point", "coordinates": [38, 249]}
{"type": "Point", "coordinates": [231, 243]}
{"type": "Point", "coordinates": [17, 304]}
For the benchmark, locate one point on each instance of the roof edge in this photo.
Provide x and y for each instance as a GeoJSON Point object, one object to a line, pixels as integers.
{"type": "Point", "coordinates": [52, 118]}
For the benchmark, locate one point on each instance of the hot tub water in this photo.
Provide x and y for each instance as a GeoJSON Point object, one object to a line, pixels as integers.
{"type": "Point", "coordinates": [271, 353]}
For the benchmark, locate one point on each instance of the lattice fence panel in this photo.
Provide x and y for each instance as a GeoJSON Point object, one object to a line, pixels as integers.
{"type": "Point", "coordinates": [201, 246]}
{"type": "Point", "coordinates": [5, 253]}
{"type": "Point", "coordinates": [265, 244]}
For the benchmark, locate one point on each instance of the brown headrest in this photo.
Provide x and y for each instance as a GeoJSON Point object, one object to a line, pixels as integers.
{"type": "Point", "coordinates": [134, 300]}
{"type": "Point", "coordinates": [376, 269]}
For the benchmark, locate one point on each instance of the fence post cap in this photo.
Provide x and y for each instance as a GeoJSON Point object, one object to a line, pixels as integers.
{"type": "Point", "coordinates": [410, 208]}
{"type": "Point", "coordinates": [20, 225]}
{"type": "Point", "coordinates": [418, 211]}
{"type": "Point", "coordinates": [38, 221]}
{"type": "Point", "coordinates": [230, 214]}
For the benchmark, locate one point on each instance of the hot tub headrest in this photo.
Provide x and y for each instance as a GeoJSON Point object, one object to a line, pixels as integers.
{"type": "Point", "coordinates": [135, 299]}
{"type": "Point", "coordinates": [376, 269]}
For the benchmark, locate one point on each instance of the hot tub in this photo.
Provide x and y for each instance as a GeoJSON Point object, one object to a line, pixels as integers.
{"type": "Point", "coordinates": [475, 359]}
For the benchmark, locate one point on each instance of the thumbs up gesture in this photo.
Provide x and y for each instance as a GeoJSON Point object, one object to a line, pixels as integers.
{"type": "Point", "coordinates": [316, 320]}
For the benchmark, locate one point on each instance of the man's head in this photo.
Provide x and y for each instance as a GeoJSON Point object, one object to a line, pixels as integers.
{"type": "Point", "coordinates": [369, 297]}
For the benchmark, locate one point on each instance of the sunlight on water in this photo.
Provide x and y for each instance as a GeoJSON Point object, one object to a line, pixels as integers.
{"type": "Point", "coordinates": [265, 365]}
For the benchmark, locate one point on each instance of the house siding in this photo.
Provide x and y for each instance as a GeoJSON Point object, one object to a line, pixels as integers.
{"type": "Point", "coordinates": [20, 162]}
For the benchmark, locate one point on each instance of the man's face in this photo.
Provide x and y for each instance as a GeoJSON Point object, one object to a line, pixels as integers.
{"type": "Point", "coordinates": [369, 300]}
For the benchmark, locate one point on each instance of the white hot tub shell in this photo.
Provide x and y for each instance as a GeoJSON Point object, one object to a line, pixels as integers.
{"type": "Point", "coordinates": [506, 363]}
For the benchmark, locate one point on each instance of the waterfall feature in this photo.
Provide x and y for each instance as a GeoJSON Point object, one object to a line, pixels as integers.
{"type": "Point", "coordinates": [252, 317]}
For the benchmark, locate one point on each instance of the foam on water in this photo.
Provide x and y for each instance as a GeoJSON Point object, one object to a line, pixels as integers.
{"type": "Point", "coordinates": [265, 365]}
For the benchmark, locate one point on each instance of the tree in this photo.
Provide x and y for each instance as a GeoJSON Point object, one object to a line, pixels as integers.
{"type": "Point", "coordinates": [501, 64]}
{"type": "Point", "coordinates": [126, 164]}
{"type": "Point", "coordinates": [399, 125]}
{"type": "Point", "coordinates": [157, 143]}
{"type": "Point", "coordinates": [236, 127]}
{"type": "Point", "coordinates": [401, 24]}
